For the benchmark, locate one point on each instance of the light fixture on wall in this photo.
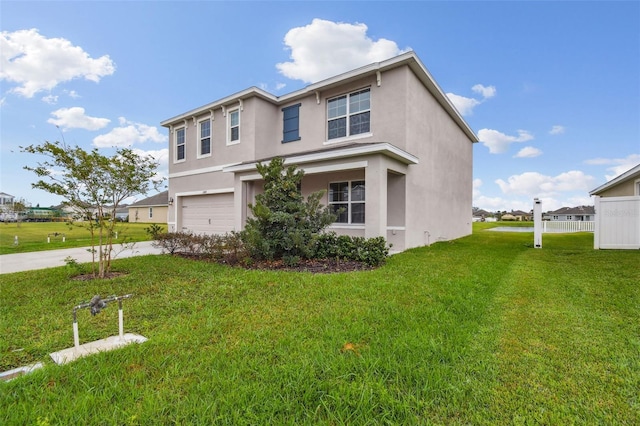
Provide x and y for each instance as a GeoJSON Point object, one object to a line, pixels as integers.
{"type": "Point", "coordinates": [170, 201]}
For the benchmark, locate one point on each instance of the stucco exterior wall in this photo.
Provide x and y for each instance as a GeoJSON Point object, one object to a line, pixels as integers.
{"type": "Point", "coordinates": [439, 189]}
{"type": "Point", "coordinates": [141, 214]}
{"type": "Point", "coordinates": [410, 204]}
{"type": "Point", "coordinates": [621, 190]}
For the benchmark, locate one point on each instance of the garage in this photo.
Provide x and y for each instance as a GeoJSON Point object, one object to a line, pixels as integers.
{"type": "Point", "coordinates": [207, 214]}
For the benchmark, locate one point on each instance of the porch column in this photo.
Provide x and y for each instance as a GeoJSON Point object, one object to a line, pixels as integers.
{"type": "Point", "coordinates": [239, 204]}
{"type": "Point", "coordinates": [375, 175]}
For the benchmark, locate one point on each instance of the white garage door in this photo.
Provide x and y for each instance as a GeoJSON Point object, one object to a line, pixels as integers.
{"type": "Point", "coordinates": [208, 214]}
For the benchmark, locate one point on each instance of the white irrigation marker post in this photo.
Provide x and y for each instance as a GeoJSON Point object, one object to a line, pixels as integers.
{"type": "Point", "coordinates": [537, 223]}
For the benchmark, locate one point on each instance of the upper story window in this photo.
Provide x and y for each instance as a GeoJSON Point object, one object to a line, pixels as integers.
{"type": "Point", "coordinates": [234, 126]}
{"type": "Point", "coordinates": [204, 129]}
{"type": "Point", "coordinates": [291, 123]}
{"type": "Point", "coordinates": [347, 199]}
{"type": "Point", "coordinates": [180, 144]}
{"type": "Point", "coordinates": [349, 115]}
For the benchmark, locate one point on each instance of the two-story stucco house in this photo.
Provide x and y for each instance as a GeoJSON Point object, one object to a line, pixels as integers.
{"type": "Point", "coordinates": [383, 141]}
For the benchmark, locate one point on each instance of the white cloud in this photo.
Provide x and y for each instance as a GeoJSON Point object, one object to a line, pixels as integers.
{"type": "Point", "coordinates": [498, 142]}
{"type": "Point", "coordinates": [75, 118]}
{"type": "Point", "coordinates": [556, 130]}
{"type": "Point", "coordinates": [36, 63]}
{"type": "Point", "coordinates": [528, 152]}
{"type": "Point", "coordinates": [486, 91]}
{"type": "Point", "coordinates": [129, 133]}
{"type": "Point", "coordinates": [466, 105]}
{"type": "Point", "coordinates": [50, 99]}
{"type": "Point", "coordinates": [534, 184]}
{"type": "Point", "coordinates": [324, 48]}
{"type": "Point", "coordinates": [617, 165]}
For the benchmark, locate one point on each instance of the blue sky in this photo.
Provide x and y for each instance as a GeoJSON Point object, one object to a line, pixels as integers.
{"type": "Point", "coordinates": [552, 89]}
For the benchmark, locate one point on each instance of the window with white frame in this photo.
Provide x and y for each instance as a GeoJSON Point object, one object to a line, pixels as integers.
{"type": "Point", "coordinates": [180, 144]}
{"type": "Point", "coordinates": [346, 199]}
{"type": "Point", "coordinates": [234, 126]}
{"type": "Point", "coordinates": [150, 212]}
{"type": "Point", "coordinates": [349, 115]}
{"type": "Point", "coordinates": [204, 129]}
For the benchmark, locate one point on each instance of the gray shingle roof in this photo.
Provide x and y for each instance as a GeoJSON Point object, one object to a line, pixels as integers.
{"type": "Point", "coordinates": [161, 199]}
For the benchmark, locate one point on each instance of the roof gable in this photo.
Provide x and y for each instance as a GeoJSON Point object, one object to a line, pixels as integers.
{"type": "Point", "coordinates": [160, 199]}
{"type": "Point", "coordinates": [632, 173]}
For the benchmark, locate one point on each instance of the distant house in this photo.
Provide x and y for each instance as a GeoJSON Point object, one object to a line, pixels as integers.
{"type": "Point", "coordinates": [617, 204]}
{"type": "Point", "coordinates": [480, 215]}
{"type": "Point", "coordinates": [517, 215]}
{"type": "Point", "coordinates": [580, 213]}
{"type": "Point", "coordinates": [153, 209]}
{"type": "Point", "coordinates": [6, 200]}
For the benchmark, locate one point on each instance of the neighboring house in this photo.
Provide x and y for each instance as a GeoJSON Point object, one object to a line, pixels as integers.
{"type": "Point", "coordinates": [383, 141]}
{"type": "Point", "coordinates": [517, 215]}
{"type": "Point", "coordinates": [122, 213]}
{"type": "Point", "coordinates": [617, 204]}
{"type": "Point", "coordinates": [6, 201]}
{"type": "Point", "coordinates": [480, 215]}
{"type": "Point", "coordinates": [6, 208]}
{"type": "Point", "coordinates": [624, 185]}
{"type": "Point", "coordinates": [150, 210]}
{"type": "Point", "coordinates": [580, 213]}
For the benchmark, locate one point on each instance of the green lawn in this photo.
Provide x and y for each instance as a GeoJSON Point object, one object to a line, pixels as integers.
{"type": "Point", "coordinates": [481, 330]}
{"type": "Point", "coordinates": [33, 236]}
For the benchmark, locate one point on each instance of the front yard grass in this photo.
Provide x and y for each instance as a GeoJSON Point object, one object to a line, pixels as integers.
{"type": "Point", "coordinates": [32, 236]}
{"type": "Point", "coordinates": [481, 330]}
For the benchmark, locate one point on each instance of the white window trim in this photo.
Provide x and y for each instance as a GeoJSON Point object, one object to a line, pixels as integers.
{"type": "Point", "coordinates": [636, 187]}
{"type": "Point", "coordinates": [175, 145]}
{"type": "Point", "coordinates": [200, 155]}
{"type": "Point", "coordinates": [348, 115]}
{"type": "Point", "coordinates": [348, 224]}
{"type": "Point", "coordinates": [229, 113]}
{"type": "Point", "coordinates": [347, 138]}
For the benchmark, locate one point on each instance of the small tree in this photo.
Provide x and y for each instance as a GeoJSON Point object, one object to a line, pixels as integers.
{"type": "Point", "coordinates": [284, 223]}
{"type": "Point", "coordinates": [94, 185]}
{"type": "Point", "coordinates": [19, 209]}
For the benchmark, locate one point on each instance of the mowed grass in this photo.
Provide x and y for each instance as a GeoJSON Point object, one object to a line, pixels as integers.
{"type": "Point", "coordinates": [481, 330]}
{"type": "Point", "coordinates": [32, 236]}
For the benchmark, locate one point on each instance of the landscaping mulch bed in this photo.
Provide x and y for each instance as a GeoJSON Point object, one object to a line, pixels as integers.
{"type": "Point", "coordinates": [318, 266]}
{"type": "Point", "coordinates": [322, 266]}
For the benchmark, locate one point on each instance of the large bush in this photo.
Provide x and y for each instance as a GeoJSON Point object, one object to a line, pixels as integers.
{"type": "Point", "coordinates": [284, 223]}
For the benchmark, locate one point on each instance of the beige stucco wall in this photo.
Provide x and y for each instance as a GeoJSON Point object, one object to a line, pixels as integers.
{"type": "Point", "coordinates": [141, 214]}
{"type": "Point", "coordinates": [621, 190]}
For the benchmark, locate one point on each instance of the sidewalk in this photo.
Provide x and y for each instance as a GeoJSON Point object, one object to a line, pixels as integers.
{"type": "Point", "coordinates": [19, 262]}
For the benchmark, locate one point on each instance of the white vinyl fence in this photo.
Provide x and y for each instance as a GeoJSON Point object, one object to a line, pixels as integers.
{"type": "Point", "coordinates": [568, 226]}
{"type": "Point", "coordinates": [617, 223]}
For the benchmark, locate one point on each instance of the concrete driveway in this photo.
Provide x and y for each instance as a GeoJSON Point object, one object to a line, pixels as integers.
{"type": "Point", "coordinates": [19, 262]}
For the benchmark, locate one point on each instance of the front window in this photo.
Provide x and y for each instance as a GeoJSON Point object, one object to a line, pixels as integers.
{"type": "Point", "coordinates": [349, 115]}
{"type": "Point", "coordinates": [234, 126]}
{"type": "Point", "coordinates": [205, 138]}
{"type": "Point", "coordinates": [180, 144]}
{"type": "Point", "coordinates": [150, 212]}
{"type": "Point", "coordinates": [347, 200]}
